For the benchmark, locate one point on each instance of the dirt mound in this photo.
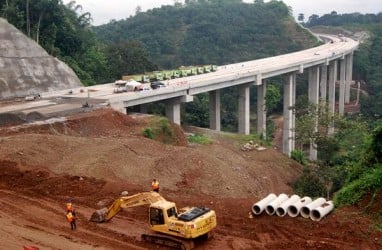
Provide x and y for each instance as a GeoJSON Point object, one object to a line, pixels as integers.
{"type": "Point", "coordinates": [107, 144]}
{"type": "Point", "coordinates": [35, 116]}
{"type": "Point", "coordinates": [7, 119]}
{"type": "Point", "coordinates": [93, 157]}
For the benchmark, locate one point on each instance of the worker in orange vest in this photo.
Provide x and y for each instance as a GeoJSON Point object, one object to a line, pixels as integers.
{"type": "Point", "coordinates": [155, 185]}
{"type": "Point", "coordinates": [71, 214]}
{"type": "Point", "coordinates": [72, 220]}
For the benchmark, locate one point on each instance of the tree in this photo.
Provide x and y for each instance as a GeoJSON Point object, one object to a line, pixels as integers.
{"type": "Point", "coordinates": [126, 58]}
{"type": "Point", "coordinates": [272, 97]}
{"type": "Point", "coordinates": [301, 17]}
{"type": "Point", "coordinates": [373, 152]}
{"type": "Point", "coordinates": [312, 20]}
{"type": "Point", "coordinates": [138, 10]}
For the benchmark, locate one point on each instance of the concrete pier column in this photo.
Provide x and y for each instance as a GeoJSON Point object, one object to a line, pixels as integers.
{"type": "Point", "coordinates": [288, 113]}
{"type": "Point", "coordinates": [314, 84]}
{"type": "Point", "coordinates": [349, 76]}
{"type": "Point", "coordinates": [323, 83]}
{"type": "Point", "coordinates": [293, 139]}
{"type": "Point", "coordinates": [173, 110]}
{"type": "Point", "coordinates": [332, 93]}
{"type": "Point", "coordinates": [143, 108]}
{"type": "Point", "coordinates": [214, 99]}
{"type": "Point", "coordinates": [261, 109]}
{"type": "Point", "coordinates": [243, 109]}
{"type": "Point", "coordinates": [341, 101]}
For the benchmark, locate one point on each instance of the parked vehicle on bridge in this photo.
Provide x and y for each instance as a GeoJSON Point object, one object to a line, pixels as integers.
{"type": "Point", "coordinates": [157, 85]}
{"type": "Point", "coordinates": [132, 85]}
{"type": "Point", "coordinates": [129, 85]}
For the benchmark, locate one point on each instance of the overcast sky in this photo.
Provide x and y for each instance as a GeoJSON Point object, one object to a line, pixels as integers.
{"type": "Point", "coordinates": [103, 11]}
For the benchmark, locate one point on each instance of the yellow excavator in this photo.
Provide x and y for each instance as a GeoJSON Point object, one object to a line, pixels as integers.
{"type": "Point", "coordinates": [172, 227]}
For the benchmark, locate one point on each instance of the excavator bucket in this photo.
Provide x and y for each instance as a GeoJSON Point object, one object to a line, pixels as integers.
{"type": "Point", "coordinates": [99, 215]}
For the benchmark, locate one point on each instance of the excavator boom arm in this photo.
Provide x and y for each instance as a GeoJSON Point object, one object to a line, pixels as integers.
{"type": "Point", "coordinates": [140, 199]}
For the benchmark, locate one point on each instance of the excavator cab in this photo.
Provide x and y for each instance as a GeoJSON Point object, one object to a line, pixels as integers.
{"type": "Point", "coordinates": [157, 215]}
{"type": "Point", "coordinates": [190, 223]}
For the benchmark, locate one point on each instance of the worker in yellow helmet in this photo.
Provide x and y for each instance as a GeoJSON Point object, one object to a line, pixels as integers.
{"type": "Point", "coordinates": [155, 185]}
{"type": "Point", "coordinates": [69, 206]}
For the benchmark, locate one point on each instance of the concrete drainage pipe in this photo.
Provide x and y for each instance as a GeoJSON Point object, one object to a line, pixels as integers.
{"type": "Point", "coordinates": [305, 210]}
{"type": "Point", "coordinates": [294, 209]}
{"type": "Point", "coordinates": [320, 212]}
{"type": "Point", "coordinates": [282, 209]}
{"type": "Point", "coordinates": [259, 207]}
{"type": "Point", "coordinates": [271, 207]}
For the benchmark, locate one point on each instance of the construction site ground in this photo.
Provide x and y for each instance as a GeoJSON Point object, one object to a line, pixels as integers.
{"type": "Point", "coordinates": [92, 157]}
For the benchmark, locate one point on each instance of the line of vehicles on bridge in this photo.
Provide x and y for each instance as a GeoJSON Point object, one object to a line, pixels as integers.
{"type": "Point", "coordinates": [153, 80]}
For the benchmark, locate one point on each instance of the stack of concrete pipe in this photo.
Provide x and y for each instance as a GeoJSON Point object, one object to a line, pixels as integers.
{"type": "Point", "coordinates": [293, 206]}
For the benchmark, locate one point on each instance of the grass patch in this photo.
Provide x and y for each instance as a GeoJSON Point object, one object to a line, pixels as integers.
{"type": "Point", "coordinates": [353, 192]}
{"type": "Point", "coordinates": [377, 226]}
{"type": "Point", "coordinates": [159, 129]}
{"type": "Point", "coordinates": [199, 139]}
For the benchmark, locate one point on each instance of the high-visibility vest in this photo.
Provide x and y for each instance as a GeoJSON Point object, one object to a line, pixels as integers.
{"type": "Point", "coordinates": [155, 185]}
{"type": "Point", "coordinates": [70, 217]}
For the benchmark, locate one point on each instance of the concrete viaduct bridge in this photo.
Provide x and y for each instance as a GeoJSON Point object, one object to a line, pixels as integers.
{"type": "Point", "coordinates": [325, 64]}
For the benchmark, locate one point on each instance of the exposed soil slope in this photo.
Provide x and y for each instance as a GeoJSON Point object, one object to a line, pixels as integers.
{"type": "Point", "coordinates": [92, 157]}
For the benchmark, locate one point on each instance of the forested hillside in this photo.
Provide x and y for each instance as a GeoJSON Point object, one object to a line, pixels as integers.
{"type": "Point", "coordinates": [349, 163]}
{"type": "Point", "coordinates": [197, 32]}
{"type": "Point", "coordinates": [210, 32]}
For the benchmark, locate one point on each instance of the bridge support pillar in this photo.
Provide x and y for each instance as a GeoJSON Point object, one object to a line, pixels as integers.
{"type": "Point", "coordinates": [314, 84]}
{"type": "Point", "coordinates": [349, 76]}
{"type": "Point", "coordinates": [173, 111]}
{"type": "Point", "coordinates": [323, 83]}
{"type": "Point", "coordinates": [261, 109]}
{"type": "Point", "coordinates": [214, 98]}
{"type": "Point", "coordinates": [341, 101]}
{"type": "Point", "coordinates": [243, 109]}
{"type": "Point", "coordinates": [333, 66]}
{"type": "Point", "coordinates": [143, 108]}
{"type": "Point", "coordinates": [289, 114]}
{"type": "Point", "coordinates": [173, 107]}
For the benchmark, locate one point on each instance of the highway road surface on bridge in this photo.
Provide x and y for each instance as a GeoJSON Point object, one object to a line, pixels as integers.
{"type": "Point", "coordinates": [225, 76]}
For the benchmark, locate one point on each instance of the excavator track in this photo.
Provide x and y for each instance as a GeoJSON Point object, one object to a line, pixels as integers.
{"type": "Point", "coordinates": [172, 242]}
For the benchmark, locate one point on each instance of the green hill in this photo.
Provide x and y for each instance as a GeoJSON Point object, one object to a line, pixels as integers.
{"type": "Point", "coordinates": [213, 32]}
